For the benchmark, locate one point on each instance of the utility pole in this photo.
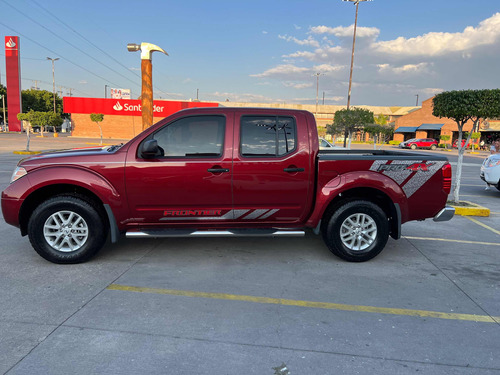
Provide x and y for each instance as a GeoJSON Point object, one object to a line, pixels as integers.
{"type": "Point", "coordinates": [53, 81]}
{"type": "Point", "coordinates": [105, 91]}
{"type": "Point", "coordinates": [352, 57]}
{"type": "Point", "coordinates": [36, 84]}
{"type": "Point", "coordinates": [417, 100]}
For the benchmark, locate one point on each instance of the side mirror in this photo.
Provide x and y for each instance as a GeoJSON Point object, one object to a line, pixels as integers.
{"type": "Point", "coordinates": [150, 149]}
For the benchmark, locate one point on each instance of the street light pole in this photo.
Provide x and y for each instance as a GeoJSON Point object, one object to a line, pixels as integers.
{"type": "Point", "coordinates": [352, 58]}
{"type": "Point", "coordinates": [53, 81]}
{"type": "Point", "coordinates": [353, 45]}
{"type": "Point", "coordinates": [317, 89]}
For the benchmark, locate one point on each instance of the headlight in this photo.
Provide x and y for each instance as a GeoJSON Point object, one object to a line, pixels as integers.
{"type": "Point", "coordinates": [18, 173]}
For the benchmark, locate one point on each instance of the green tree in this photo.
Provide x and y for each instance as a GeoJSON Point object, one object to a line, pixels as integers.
{"type": "Point", "coordinates": [334, 130]}
{"type": "Point", "coordinates": [97, 118]}
{"type": "Point", "coordinates": [26, 118]}
{"type": "Point", "coordinates": [381, 119]}
{"type": "Point", "coordinates": [475, 136]}
{"type": "Point", "coordinates": [463, 106]}
{"type": "Point", "coordinates": [352, 120]}
{"type": "Point", "coordinates": [445, 138]}
{"type": "Point", "coordinates": [41, 101]}
{"type": "Point", "coordinates": [377, 131]}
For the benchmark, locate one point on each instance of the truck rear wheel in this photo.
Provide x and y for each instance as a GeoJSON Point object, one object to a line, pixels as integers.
{"type": "Point", "coordinates": [357, 231]}
{"type": "Point", "coordinates": [66, 229]}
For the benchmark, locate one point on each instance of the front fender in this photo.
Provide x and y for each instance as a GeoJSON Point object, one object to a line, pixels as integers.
{"type": "Point", "coordinates": [68, 175]}
{"type": "Point", "coordinates": [357, 180]}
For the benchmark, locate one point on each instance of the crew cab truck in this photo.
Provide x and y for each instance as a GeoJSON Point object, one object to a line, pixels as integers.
{"type": "Point", "coordinates": [224, 172]}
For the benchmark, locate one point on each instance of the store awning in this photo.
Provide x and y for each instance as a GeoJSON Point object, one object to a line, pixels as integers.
{"type": "Point", "coordinates": [406, 129]}
{"type": "Point", "coordinates": [430, 127]}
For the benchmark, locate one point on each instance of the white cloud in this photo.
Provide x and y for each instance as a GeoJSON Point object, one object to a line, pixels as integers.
{"type": "Point", "coordinates": [239, 97]}
{"type": "Point", "coordinates": [296, 85]}
{"type": "Point", "coordinates": [341, 32]}
{"type": "Point", "coordinates": [385, 72]}
{"type": "Point", "coordinates": [305, 42]}
{"type": "Point", "coordinates": [441, 43]}
{"type": "Point", "coordinates": [408, 68]}
{"type": "Point", "coordinates": [281, 70]}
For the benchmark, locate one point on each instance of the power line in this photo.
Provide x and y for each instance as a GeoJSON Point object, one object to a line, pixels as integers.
{"type": "Point", "coordinates": [93, 44]}
{"type": "Point", "coordinates": [71, 44]}
{"type": "Point", "coordinates": [84, 38]}
{"type": "Point", "coordinates": [58, 54]}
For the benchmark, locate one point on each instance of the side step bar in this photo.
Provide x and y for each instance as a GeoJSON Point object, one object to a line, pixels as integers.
{"type": "Point", "coordinates": [215, 233]}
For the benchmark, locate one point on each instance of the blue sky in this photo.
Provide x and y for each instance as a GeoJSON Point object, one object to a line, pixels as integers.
{"type": "Point", "coordinates": [260, 51]}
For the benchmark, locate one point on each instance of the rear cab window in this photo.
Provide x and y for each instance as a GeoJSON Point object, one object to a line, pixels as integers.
{"type": "Point", "coordinates": [267, 136]}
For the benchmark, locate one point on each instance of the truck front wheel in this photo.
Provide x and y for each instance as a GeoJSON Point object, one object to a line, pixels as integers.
{"type": "Point", "coordinates": [357, 231]}
{"type": "Point", "coordinates": [66, 229]}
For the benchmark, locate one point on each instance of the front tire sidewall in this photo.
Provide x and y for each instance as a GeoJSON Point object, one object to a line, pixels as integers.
{"type": "Point", "coordinates": [96, 229]}
{"type": "Point", "coordinates": [333, 231]}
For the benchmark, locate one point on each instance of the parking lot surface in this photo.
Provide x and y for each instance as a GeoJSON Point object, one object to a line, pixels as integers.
{"type": "Point", "coordinates": [429, 303]}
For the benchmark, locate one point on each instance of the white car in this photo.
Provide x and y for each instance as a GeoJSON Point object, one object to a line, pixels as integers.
{"type": "Point", "coordinates": [325, 145]}
{"type": "Point", "coordinates": [490, 170]}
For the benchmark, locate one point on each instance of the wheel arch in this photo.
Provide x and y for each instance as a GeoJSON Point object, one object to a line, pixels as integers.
{"type": "Point", "coordinates": [392, 210]}
{"type": "Point", "coordinates": [46, 192]}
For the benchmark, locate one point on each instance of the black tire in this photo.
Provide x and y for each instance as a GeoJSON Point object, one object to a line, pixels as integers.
{"type": "Point", "coordinates": [67, 229]}
{"type": "Point", "coordinates": [360, 224]}
{"type": "Point", "coordinates": [413, 147]}
{"type": "Point", "coordinates": [433, 147]}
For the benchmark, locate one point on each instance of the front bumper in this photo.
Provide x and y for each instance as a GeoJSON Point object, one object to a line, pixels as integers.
{"type": "Point", "coordinates": [445, 214]}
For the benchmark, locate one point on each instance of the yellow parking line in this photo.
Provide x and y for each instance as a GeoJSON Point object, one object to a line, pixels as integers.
{"type": "Point", "coordinates": [311, 304]}
{"type": "Point", "coordinates": [448, 240]}
{"type": "Point", "coordinates": [483, 225]}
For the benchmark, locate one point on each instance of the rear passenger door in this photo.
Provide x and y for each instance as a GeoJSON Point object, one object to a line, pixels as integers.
{"type": "Point", "coordinates": [272, 169]}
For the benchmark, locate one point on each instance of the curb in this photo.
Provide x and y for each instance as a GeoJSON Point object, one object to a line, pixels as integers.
{"type": "Point", "coordinates": [475, 210]}
{"type": "Point", "coordinates": [26, 152]}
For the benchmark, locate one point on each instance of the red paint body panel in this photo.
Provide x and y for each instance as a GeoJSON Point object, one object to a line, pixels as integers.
{"type": "Point", "coordinates": [252, 191]}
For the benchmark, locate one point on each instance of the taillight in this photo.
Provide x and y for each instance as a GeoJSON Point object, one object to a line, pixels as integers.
{"type": "Point", "coordinates": [446, 178]}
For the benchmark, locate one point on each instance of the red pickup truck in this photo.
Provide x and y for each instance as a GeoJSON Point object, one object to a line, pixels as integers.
{"type": "Point", "coordinates": [224, 172]}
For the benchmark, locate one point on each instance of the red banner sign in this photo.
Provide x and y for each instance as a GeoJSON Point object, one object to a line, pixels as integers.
{"type": "Point", "coordinates": [13, 72]}
{"type": "Point", "coordinates": [122, 107]}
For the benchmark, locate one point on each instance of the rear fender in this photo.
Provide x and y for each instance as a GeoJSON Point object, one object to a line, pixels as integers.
{"type": "Point", "coordinates": [360, 185]}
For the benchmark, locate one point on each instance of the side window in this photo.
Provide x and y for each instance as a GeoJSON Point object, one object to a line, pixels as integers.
{"type": "Point", "coordinates": [267, 136]}
{"type": "Point", "coordinates": [197, 136]}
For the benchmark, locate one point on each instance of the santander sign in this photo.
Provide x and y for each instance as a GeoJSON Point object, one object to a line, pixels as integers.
{"type": "Point", "coordinates": [126, 107]}
{"type": "Point", "coordinates": [10, 43]}
{"type": "Point", "coordinates": [135, 107]}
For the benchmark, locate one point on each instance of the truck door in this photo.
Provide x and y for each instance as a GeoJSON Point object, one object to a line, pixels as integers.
{"type": "Point", "coordinates": [190, 179]}
{"type": "Point", "coordinates": [272, 169]}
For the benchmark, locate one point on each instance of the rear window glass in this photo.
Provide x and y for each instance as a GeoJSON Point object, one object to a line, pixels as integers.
{"type": "Point", "coordinates": [266, 136]}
